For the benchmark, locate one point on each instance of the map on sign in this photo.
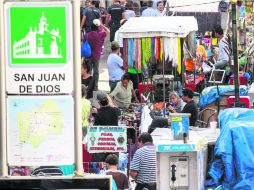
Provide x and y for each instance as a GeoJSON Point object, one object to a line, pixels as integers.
{"type": "Point", "coordinates": [35, 125]}
{"type": "Point", "coordinates": [41, 39]}
{"type": "Point", "coordinates": [38, 127]}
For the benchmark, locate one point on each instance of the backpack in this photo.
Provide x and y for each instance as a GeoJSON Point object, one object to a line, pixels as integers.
{"type": "Point", "coordinates": [86, 50]}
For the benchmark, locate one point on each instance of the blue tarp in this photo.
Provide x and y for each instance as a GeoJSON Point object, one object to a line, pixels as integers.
{"type": "Point", "coordinates": [233, 166]}
{"type": "Point", "coordinates": [210, 94]}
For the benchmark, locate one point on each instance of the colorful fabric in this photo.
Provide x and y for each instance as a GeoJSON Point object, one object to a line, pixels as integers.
{"type": "Point", "coordinates": [130, 52]}
{"type": "Point", "coordinates": [179, 62]}
{"type": "Point", "coordinates": [143, 50]}
{"type": "Point", "coordinates": [139, 65]}
{"type": "Point", "coordinates": [157, 48]}
{"type": "Point", "coordinates": [148, 49]}
{"type": "Point", "coordinates": [161, 50]}
{"type": "Point", "coordinates": [135, 52]}
{"type": "Point", "coordinates": [125, 53]}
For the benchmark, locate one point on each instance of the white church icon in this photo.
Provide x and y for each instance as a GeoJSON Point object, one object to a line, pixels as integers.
{"type": "Point", "coordinates": [42, 43]}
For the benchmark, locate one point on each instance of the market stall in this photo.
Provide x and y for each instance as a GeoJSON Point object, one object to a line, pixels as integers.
{"type": "Point", "coordinates": [154, 45]}
{"type": "Point", "coordinates": [233, 155]}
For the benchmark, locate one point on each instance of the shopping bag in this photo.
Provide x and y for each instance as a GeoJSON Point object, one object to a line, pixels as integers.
{"type": "Point", "coordinates": [86, 50]}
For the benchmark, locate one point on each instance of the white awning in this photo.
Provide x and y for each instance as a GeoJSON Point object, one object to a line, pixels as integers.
{"type": "Point", "coordinates": [194, 5]}
{"type": "Point", "coordinates": [168, 26]}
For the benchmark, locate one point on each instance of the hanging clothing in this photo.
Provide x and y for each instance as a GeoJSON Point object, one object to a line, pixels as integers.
{"type": "Point", "coordinates": [148, 49]}
{"type": "Point", "coordinates": [130, 52]}
{"type": "Point", "coordinates": [139, 66]}
{"type": "Point", "coordinates": [179, 63]}
{"type": "Point", "coordinates": [175, 52]}
{"type": "Point", "coordinates": [157, 48]}
{"type": "Point", "coordinates": [143, 47]}
{"type": "Point", "coordinates": [125, 53]}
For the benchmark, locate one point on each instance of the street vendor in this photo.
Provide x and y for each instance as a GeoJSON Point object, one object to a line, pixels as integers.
{"type": "Point", "coordinates": [190, 107]}
{"type": "Point", "coordinates": [224, 49]}
{"type": "Point", "coordinates": [176, 103]}
{"type": "Point", "coordinates": [123, 92]}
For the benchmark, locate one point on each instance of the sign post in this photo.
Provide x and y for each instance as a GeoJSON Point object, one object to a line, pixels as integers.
{"type": "Point", "coordinates": [42, 58]}
{"type": "Point", "coordinates": [3, 148]}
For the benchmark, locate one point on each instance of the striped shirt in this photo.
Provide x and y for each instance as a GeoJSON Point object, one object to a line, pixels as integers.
{"type": "Point", "coordinates": [144, 162]}
{"type": "Point", "coordinates": [224, 49]}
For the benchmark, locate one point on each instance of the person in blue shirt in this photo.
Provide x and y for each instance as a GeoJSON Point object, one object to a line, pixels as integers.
{"type": "Point", "coordinates": [115, 66]}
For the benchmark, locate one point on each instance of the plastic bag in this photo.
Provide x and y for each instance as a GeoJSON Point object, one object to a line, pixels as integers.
{"type": "Point", "coordinates": [86, 50]}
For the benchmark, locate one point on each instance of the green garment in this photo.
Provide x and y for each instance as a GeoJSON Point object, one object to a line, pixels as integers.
{"type": "Point", "coordinates": [122, 96]}
{"type": "Point", "coordinates": [86, 107]}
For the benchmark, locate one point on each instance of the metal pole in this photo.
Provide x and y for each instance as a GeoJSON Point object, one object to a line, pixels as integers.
{"type": "Point", "coordinates": [3, 127]}
{"type": "Point", "coordinates": [235, 54]}
{"type": "Point", "coordinates": [77, 87]}
{"type": "Point", "coordinates": [164, 87]}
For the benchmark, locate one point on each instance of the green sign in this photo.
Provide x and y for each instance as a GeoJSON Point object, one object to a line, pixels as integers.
{"type": "Point", "coordinates": [38, 35]}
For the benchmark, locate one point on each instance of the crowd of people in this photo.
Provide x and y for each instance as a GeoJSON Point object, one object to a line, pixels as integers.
{"type": "Point", "coordinates": [96, 24]}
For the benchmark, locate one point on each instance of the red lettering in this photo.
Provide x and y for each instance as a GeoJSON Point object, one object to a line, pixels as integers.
{"type": "Point", "coordinates": [106, 143]}
{"type": "Point", "coordinates": [120, 148]}
{"type": "Point", "coordinates": [103, 148]}
{"type": "Point", "coordinates": [106, 139]}
{"type": "Point", "coordinates": [107, 134]}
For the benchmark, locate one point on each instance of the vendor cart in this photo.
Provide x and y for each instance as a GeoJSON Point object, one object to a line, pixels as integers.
{"type": "Point", "coordinates": [154, 45]}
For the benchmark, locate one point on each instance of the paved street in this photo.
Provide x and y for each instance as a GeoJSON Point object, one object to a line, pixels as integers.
{"type": "Point", "coordinates": [103, 71]}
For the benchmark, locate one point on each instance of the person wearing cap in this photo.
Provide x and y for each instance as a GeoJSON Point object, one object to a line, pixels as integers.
{"type": "Point", "coordinates": [96, 40]}
{"type": "Point", "coordinates": [108, 113]}
{"type": "Point", "coordinates": [124, 92]}
{"type": "Point", "coordinates": [116, 12]}
{"type": "Point", "coordinates": [115, 66]}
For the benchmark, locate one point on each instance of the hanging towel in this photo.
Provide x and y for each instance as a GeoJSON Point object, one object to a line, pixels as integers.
{"type": "Point", "coordinates": [143, 51]}
{"type": "Point", "coordinates": [125, 53]}
{"type": "Point", "coordinates": [139, 54]}
{"type": "Point", "coordinates": [179, 63]}
{"type": "Point", "coordinates": [157, 48]}
{"type": "Point", "coordinates": [171, 49]}
{"type": "Point", "coordinates": [130, 52]}
{"type": "Point", "coordinates": [174, 52]}
{"type": "Point", "coordinates": [166, 47]}
{"type": "Point", "coordinates": [161, 48]}
{"type": "Point", "coordinates": [135, 52]}
{"type": "Point", "coordinates": [148, 49]}
{"type": "Point", "coordinates": [152, 50]}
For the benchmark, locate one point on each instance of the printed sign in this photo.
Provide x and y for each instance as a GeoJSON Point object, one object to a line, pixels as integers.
{"type": "Point", "coordinates": [40, 130]}
{"type": "Point", "coordinates": [39, 40]}
{"type": "Point", "coordinates": [39, 50]}
{"type": "Point", "coordinates": [176, 148]}
{"type": "Point", "coordinates": [107, 139]}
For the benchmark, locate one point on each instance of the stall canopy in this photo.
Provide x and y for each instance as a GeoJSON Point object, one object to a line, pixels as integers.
{"type": "Point", "coordinates": [177, 26]}
{"type": "Point", "coordinates": [194, 5]}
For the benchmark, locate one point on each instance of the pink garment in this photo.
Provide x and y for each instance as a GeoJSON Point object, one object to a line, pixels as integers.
{"type": "Point", "coordinates": [96, 41]}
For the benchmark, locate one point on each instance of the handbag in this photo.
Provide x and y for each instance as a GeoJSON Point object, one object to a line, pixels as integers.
{"type": "Point", "coordinates": [86, 50]}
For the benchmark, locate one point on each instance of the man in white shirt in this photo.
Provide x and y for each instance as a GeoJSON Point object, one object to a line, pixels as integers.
{"type": "Point", "coordinates": [224, 49]}
{"type": "Point", "coordinates": [150, 11]}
